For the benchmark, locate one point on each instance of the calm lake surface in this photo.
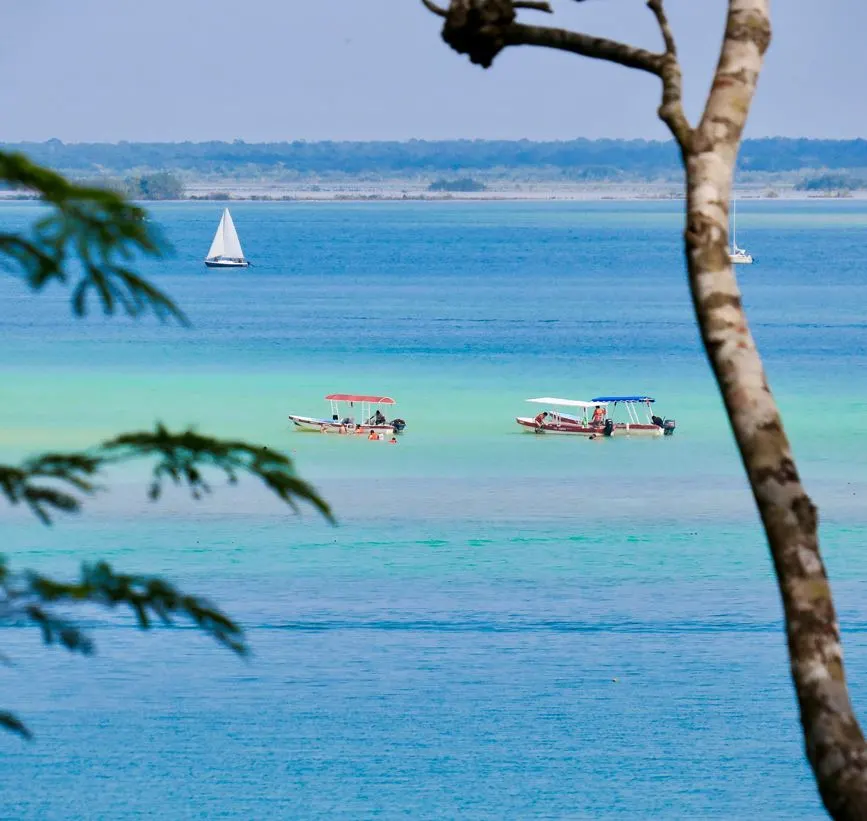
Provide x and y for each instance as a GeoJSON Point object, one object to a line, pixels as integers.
{"type": "Point", "coordinates": [501, 625]}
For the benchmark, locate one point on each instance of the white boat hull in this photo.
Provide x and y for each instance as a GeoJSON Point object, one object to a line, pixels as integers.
{"type": "Point", "coordinates": [529, 424]}
{"type": "Point", "coordinates": [310, 424]}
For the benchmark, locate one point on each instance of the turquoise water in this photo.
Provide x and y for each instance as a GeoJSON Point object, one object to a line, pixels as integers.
{"type": "Point", "coordinates": [501, 625]}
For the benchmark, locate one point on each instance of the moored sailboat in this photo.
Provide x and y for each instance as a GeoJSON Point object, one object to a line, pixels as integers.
{"type": "Point", "coordinates": [738, 256]}
{"type": "Point", "coordinates": [225, 251]}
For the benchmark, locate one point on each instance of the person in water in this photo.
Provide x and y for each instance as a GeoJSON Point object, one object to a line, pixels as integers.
{"type": "Point", "coordinates": [372, 437]}
{"type": "Point", "coordinates": [598, 415]}
{"type": "Point", "coordinates": [393, 440]}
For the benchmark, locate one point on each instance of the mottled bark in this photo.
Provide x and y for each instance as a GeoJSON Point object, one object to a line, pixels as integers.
{"type": "Point", "coordinates": [834, 742]}
{"type": "Point", "coordinates": [481, 29]}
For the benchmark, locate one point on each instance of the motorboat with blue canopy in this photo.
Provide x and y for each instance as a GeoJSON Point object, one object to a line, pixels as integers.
{"type": "Point", "coordinates": [639, 416]}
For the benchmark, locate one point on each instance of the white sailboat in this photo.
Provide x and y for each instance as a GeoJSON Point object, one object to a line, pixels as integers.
{"type": "Point", "coordinates": [738, 256]}
{"type": "Point", "coordinates": [226, 250]}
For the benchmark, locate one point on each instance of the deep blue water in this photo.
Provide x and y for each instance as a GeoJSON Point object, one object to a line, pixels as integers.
{"type": "Point", "coordinates": [501, 625]}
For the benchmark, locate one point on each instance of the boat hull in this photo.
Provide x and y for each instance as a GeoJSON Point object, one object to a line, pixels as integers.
{"type": "Point", "coordinates": [564, 428]}
{"type": "Point", "coordinates": [310, 424]}
{"type": "Point", "coordinates": [226, 263]}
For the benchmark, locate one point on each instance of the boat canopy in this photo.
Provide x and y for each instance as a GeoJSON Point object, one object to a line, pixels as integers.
{"type": "Point", "coordinates": [566, 403]}
{"type": "Point", "coordinates": [352, 397]}
{"type": "Point", "coordinates": [605, 399]}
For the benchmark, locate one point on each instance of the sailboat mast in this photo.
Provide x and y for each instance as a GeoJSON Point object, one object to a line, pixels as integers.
{"type": "Point", "coordinates": [734, 223]}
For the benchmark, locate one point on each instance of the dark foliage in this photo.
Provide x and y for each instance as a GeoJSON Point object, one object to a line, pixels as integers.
{"type": "Point", "coordinates": [53, 483]}
{"type": "Point", "coordinates": [462, 185]}
{"type": "Point", "coordinates": [46, 483]}
{"type": "Point", "coordinates": [30, 598]}
{"type": "Point", "coordinates": [831, 182]}
{"type": "Point", "coordinates": [180, 457]}
{"type": "Point", "coordinates": [87, 240]}
{"type": "Point", "coordinates": [159, 186]}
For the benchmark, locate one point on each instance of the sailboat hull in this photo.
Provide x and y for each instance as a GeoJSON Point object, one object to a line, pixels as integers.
{"type": "Point", "coordinates": [226, 263]}
{"type": "Point", "coordinates": [225, 250]}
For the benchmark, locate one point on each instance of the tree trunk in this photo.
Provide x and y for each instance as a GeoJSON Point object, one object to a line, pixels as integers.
{"type": "Point", "coordinates": [482, 28]}
{"type": "Point", "coordinates": [834, 742]}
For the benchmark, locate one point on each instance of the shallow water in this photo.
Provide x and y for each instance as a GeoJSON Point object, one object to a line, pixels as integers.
{"type": "Point", "coordinates": [451, 648]}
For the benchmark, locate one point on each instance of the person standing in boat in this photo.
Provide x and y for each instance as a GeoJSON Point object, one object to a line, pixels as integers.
{"type": "Point", "coordinates": [598, 416]}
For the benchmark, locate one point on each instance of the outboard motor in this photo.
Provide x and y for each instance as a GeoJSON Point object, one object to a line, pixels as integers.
{"type": "Point", "coordinates": [608, 430]}
{"type": "Point", "coordinates": [668, 427]}
{"type": "Point", "coordinates": [397, 425]}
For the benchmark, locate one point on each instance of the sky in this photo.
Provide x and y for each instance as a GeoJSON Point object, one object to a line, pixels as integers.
{"type": "Point", "coordinates": [273, 70]}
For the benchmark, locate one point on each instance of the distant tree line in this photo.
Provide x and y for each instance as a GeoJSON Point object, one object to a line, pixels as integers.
{"type": "Point", "coordinates": [582, 159]}
{"type": "Point", "coordinates": [463, 185]}
{"type": "Point", "coordinates": [161, 185]}
{"type": "Point", "coordinates": [831, 182]}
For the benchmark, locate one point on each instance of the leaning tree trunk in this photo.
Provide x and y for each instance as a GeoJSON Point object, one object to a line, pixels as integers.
{"type": "Point", "coordinates": [481, 29]}
{"type": "Point", "coordinates": [834, 742]}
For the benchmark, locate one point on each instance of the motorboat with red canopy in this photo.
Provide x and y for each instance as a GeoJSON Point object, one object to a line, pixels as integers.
{"type": "Point", "coordinates": [597, 417]}
{"type": "Point", "coordinates": [351, 412]}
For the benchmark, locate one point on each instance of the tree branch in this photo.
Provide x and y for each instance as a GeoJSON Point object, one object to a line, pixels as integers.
{"type": "Point", "coordinates": [481, 29]}
{"type": "Point", "coordinates": [671, 110]}
{"type": "Point", "coordinates": [182, 456]}
{"type": "Point", "coordinates": [98, 228]}
{"type": "Point", "coordinates": [534, 5]}
{"type": "Point", "coordinates": [27, 597]}
{"type": "Point", "coordinates": [48, 484]}
{"type": "Point", "coordinates": [598, 48]}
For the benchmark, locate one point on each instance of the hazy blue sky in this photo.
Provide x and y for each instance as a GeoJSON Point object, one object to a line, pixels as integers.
{"type": "Point", "coordinates": [258, 70]}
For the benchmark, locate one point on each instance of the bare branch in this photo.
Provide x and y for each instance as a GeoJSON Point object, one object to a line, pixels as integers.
{"type": "Point", "coordinates": [671, 110]}
{"type": "Point", "coordinates": [598, 48]}
{"type": "Point", "coordinates": [434, 8]}
{"type": "Point", "coordinates": [534, 5]}
{"type": "Point", "coordinates": [668, 38]}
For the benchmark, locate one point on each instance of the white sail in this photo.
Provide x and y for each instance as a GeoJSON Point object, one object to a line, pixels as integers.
{"type": "Point", "coordinates": [226, 242]}
{"type": "Point", "coordinates": [231, 243]}
{"type": "Point", "coordinates": [218, 246]}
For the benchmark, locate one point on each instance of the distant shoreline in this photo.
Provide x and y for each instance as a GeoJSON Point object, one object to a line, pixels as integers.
{"type": "Point", "coordinates": [538, 192]}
